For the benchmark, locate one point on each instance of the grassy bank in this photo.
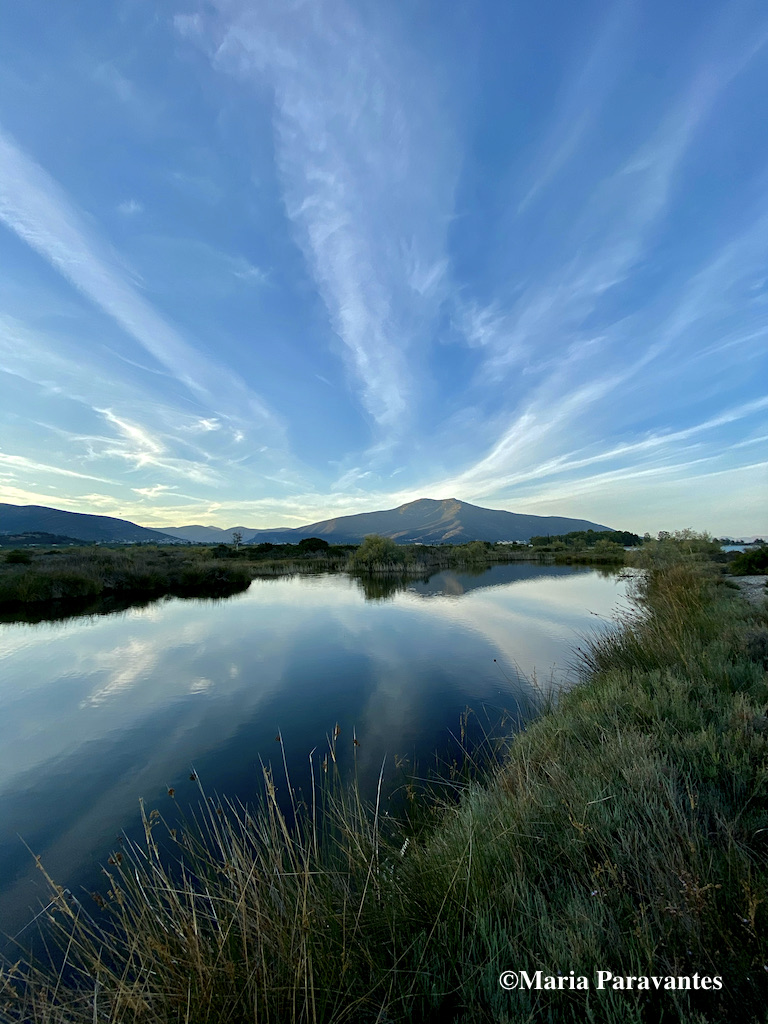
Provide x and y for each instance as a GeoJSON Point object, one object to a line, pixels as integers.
{"type": "Point", "coordinates": [626, 831]}
{"type": "Point", "coordinates": [79, 574]}
{"type": "Point", "coordinates": [32, 578]}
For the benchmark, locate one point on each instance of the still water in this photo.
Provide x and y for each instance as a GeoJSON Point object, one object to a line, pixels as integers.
{"type": "Point", "coordinates": [97, 712]}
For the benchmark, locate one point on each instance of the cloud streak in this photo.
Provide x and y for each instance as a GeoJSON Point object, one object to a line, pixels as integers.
{"type": "Point", "coordinates": [354, 149]}
{"type": "Point", "coordinates": [35, 208]}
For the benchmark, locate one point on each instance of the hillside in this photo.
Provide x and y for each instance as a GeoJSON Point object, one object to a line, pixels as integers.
{"type": "Point", "coordinates": [427, 521]}
{"type": "Point", "coordinates": [39, 519]}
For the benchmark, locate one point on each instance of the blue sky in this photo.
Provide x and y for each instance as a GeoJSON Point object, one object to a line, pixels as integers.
{"type": "Point", "coordinates": [270, 262]}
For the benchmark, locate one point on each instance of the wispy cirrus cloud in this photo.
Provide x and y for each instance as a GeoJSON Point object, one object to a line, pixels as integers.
{"type": "Point", "coordinates": [569, 300]}
{"type": "Point", "coordinates": [355, 148]}
{"type": "Point", "coordinates": [134, 444]}
{"type": "Point", "coordinates": [599, 364]}
{"type": "Point", "coordinates": [21, 462]}
{"type": "Point", "coordinates": [157, 491]}
{"type": "Point", "coordinates": [580, 101]}
{"type": "Point", "coordinates": [130, 207]}
{"type": "Point", "coordinates": [35, 208]}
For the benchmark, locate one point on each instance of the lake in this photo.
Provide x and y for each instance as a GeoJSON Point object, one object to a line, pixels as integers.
{"type": "Point", "coordinates": [97, 712]}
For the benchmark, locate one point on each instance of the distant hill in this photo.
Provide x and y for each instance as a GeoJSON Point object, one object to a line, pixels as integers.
{"type": "Point", "coordinates": [425, 521]}
{"type": "Point", "coordinates": [35, 538]}
{"type": "Point", "coordinates": [16, 519]}
{"type": "Point", "coordinates": [211, 534]}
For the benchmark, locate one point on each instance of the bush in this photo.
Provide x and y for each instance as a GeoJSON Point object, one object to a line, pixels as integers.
{"type": "Point", "coordinates": [750, 563]}
{"type": "Point", "coordinates": [377, 553]}
{"type": "Point", "coordinates": [17, 557]}
{"type": "Point", "coordinates": [313, 544]}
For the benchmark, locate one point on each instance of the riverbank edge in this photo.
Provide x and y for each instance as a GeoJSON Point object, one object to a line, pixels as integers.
{"type": "Point", "coordinates": [72, 582]}
{"type": "Point", "coordinates": [624, 831]}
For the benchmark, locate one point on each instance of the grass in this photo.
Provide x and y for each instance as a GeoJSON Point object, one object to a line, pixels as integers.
{"type": "Point", "coordinates": [626, 830]}
{"type": "Point", "coordinates": [82, 574]}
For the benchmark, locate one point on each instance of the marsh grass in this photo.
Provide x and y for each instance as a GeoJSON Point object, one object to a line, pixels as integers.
{"type": "Point", "coordinates": [65, 582]}
{"type": "Point", "coordinates": [624, 830]}
{"type": "Point", "coordinates": [79, 574]}
{"type": "Point", "coordinates": [82, 575]}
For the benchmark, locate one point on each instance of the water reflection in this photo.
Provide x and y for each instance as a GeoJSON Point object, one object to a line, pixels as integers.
{"type": "Point", "coordinates": [87, 607]}
{"type": "Point", "coordinates": [95, 713]}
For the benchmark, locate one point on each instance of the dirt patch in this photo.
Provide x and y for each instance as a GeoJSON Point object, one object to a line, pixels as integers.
{"type": "Point", "coordinates": [752, 587]}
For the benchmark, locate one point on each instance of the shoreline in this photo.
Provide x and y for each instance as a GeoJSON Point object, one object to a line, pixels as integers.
{"type": "Point", "coordinates": [622, 833]}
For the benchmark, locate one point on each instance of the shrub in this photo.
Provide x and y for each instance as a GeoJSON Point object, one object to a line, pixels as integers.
{"type": "Point", "coordinates": [313, 544]}
{"type": "Point", "coordinates": [477, 550]}
{"type": "Point", "coordinates": [750, 563]}
{"type": "Point", "coordinates": [377, 553]}
{"type": "Point", "coordinates": [17, 557]}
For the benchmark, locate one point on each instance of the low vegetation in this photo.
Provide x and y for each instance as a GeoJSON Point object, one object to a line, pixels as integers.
{"type": "Point", "coordinates": [624, 830]}
{"type": "Point", "coordinates": [82, 574]}
{"type": "Point", "coordinates": [36, 577]}
{"type": "Point", "coordinates": [586, 547]}
{"type": "Point", "coordinates": [32, 577]}
{"type": "Point", "coordinates": [580, 539]}
{"type": "Point", "coordinates": [752, 562]}
{"type": "Point", "coordinates": [382, 555]}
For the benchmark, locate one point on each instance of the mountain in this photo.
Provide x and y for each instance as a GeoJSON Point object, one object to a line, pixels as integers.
{"type": "Point", "coordinates": [425, 521]}
{"type": "Point", "coordinates": [39, 519]}
{"type": "Point", "coordinates": [212, 534]}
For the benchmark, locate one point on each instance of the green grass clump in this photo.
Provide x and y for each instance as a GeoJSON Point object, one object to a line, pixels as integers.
{"type": "Point", "coordinates": [625, 830]}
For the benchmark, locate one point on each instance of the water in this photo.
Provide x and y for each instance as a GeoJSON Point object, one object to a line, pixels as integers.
{"type": "Point", "coordinates": [98, 712]}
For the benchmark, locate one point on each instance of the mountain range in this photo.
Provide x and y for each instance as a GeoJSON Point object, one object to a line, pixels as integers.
{"type": "Point", "coordinates": [20, 519]}
{"type": "Point", "coordinates": [425, 521]}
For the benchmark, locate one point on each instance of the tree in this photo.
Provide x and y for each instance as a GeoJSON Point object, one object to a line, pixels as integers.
{"type": "Point", "coordinates": [377, 552]}
{"type": "Point", "coordinates": [313, 544]}
{"type": "Point", "coordinates": [476, 550]}
{"type": "Point", "coordinates": [237, 538]}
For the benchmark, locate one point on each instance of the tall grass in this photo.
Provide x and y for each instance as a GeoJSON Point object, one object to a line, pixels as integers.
{"type": "Point", "coordinates": [625, 830]}
{"type": "Point", "coordinates": [78, 573]}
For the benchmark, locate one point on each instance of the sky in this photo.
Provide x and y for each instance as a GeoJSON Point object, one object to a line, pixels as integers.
{"type": "Point", "coordinates": [266, 262]}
